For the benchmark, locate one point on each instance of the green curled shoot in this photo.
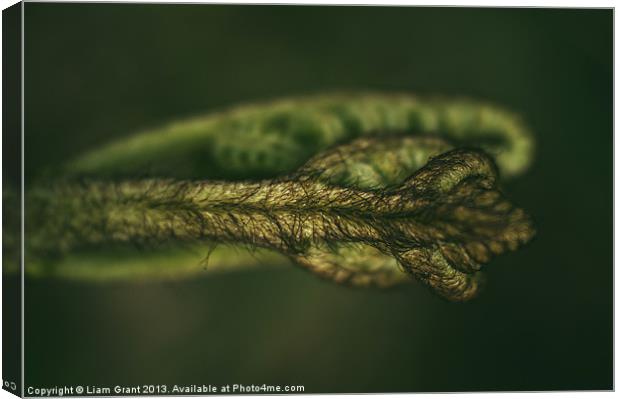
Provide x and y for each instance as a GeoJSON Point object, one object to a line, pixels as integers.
{"type": "Point", "coordinates": [364, 190]}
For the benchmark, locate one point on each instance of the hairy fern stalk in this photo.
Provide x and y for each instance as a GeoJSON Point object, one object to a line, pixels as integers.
{"type": "Point", "coordinates": [362, 189]}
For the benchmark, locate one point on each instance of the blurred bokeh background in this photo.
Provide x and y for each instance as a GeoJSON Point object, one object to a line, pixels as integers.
{"type": "Point", "coordinates": [96, 72]}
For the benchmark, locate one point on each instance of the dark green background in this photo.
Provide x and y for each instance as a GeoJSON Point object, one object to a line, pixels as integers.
{"type": "Point", "coordinates": [97, 72]}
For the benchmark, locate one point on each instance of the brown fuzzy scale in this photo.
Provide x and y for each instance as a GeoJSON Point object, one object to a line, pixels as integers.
{"type": "Point", "coordinates": [440, 224]}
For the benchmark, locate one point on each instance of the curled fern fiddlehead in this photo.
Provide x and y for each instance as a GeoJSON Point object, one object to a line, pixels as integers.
{"type": "Point", "coordinates": [361, 189]}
